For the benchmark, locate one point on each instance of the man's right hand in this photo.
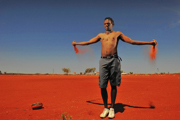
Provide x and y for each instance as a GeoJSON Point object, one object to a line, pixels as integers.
{"type": "Point", "coordinates": [74, 43]}
{"type": "Point", "coordinates": [154, 42]}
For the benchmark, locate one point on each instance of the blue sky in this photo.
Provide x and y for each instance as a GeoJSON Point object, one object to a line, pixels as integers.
{"type": "Point", "coordinates": [36, 35]}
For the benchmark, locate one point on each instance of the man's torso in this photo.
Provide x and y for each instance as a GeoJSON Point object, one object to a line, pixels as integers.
{"type": "Point", "coordinates": [109, 43]}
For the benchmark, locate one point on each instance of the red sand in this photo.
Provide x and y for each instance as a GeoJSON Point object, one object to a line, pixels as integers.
{"type": "Point", "coordinates": [76, 50]}
{"type": "Point", "coordinates": [80, 51]}
{"type": "Point", "coordinates": [79, 96]}
{"type": "Point", "coordinates": [153, 52]}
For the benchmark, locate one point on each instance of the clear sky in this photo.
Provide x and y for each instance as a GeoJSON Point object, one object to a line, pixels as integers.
{"type": "Point", "coordinates": [36, 35]}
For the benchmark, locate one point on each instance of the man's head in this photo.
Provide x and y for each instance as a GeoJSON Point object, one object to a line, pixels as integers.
{"type": "Point", "coordinates": [108, 23]}
{"type": "Point", "coordinates": [109, 18]}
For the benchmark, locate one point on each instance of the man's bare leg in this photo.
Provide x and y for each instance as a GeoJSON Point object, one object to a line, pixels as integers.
{"type": "Point", "coordinates": [113, 98]}
{"type": "Point", "coordinates": [104, 96]}
{"type": "Point", "coordinates": [113, 95]}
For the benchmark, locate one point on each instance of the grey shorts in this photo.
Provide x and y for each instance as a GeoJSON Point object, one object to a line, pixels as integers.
{"type": "Point", "coordinates": [109, 69]}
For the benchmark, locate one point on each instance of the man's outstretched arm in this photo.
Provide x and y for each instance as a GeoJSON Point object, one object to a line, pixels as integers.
{"type": "Point", "coordinates": [91, 41]}
{"type": "Point", "coordinates": [134, 42]}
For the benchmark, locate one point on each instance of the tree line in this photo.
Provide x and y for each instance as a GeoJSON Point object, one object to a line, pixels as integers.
{"type": "Point", "coordinates": [87, 71]}
{"type": "Point", "coordinates": [68, 70]}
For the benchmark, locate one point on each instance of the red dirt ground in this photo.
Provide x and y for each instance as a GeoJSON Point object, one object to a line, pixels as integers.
{"type": "Point", "coordinates": [80, 97]}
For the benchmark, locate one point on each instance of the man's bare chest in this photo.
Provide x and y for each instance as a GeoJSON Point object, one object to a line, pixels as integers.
{"type": "Point", "coordinates": [109, 38]}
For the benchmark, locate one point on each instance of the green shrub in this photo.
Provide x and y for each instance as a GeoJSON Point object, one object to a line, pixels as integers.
{"type": "Point", "coordinates": [65, 116]}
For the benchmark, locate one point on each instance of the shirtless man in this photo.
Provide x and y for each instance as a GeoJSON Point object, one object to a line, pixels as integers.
{"type": "Point", "coordinates": [109, 64]}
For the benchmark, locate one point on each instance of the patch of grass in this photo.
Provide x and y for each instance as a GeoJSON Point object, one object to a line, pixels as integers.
{"type": "Point", "coordinates": [65, 116]}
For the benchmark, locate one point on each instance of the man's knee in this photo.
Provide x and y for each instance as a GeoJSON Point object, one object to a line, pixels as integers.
{"type": "Point", "coordinates": [114, 87]}
{"type": "Point", "coordinates": [103, 89]}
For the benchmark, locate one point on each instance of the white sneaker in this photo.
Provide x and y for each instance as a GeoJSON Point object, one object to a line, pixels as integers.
{"type": "Point", "coordinates": [104, 113]}
{"type": "Point", "coordinates": [111, 113]}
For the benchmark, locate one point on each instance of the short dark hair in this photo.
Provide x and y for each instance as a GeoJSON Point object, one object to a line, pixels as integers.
{"type": "Point", "coordinates": [109, 18]}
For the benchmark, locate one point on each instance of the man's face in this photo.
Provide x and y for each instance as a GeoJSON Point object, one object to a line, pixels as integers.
{"type": "Point", "coordinates": [108, 25]}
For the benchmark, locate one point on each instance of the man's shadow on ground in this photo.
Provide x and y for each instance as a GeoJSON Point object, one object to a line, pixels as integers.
{"type": "Point", "coordinates": [119, 107]}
